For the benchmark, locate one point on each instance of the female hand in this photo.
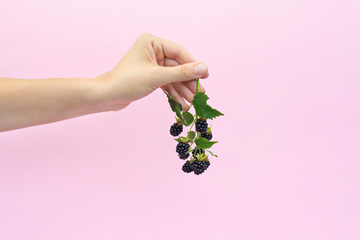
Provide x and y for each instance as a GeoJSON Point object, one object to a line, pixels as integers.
{"type": "Point", "coordinates": [151, 63]}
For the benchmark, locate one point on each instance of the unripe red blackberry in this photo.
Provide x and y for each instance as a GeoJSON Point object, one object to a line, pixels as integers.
{"type": "Point", "coordinates": [186, 167]}
{"type": "Point", "coordinates": [176, 129]}
{"type": "Point", "coordinates": [182, 148]}
{"type": "Point", "coordinates": [201, 125]}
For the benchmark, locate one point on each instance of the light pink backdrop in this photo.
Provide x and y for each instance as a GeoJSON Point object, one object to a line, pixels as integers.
{"type": "Point", "coordinates": [285, 73]}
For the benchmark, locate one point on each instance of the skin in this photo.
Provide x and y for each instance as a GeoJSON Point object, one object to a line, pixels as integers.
{"type": "Point", "coordinates": [151, 63]}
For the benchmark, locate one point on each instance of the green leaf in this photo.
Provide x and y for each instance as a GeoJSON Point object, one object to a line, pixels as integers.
{"type": "Point", "coordinates": [212, 153]}
{"type": "Point", "coordinates": [188, 118]}
{"type": "Point", "coordinates": [204, 143]}
{"type": "Point", "coordinates": [191, 135]}
{"type": "Point", "coordinates": [182, 139]}
{"type": "Point", "coordinates": [175, 107]}
{"type": "Point", "coordinates": [203, 110]}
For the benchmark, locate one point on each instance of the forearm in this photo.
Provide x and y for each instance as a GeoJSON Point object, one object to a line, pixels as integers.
{"type": "Point", "coordinates": [25, 103]}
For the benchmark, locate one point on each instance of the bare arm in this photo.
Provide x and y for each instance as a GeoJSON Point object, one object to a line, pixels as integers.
{"type": "Point", "coordinates": [25, 103]}
{"type": "Point", "coordinates": [151, 63]}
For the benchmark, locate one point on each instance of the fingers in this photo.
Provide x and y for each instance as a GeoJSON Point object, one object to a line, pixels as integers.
{"type": "Point", "coordinates": [184, 92]}
{"type": "Point", "coordinates": [181, 73]}
{"type": "Point", "coordinates": [171, 62]}
{"type": "Point", "coordinates": [188, 70]}
{"type": "Point", "coordinates": [170, 49]}
{"type": "Point", "coordinates": [175, 54]}
{"type": "Point", "coordinates": [205, 76]}
{"type": "Point", "coordinates": [175, 51]}
{"type": "Point", "coordinates": [192, 85]}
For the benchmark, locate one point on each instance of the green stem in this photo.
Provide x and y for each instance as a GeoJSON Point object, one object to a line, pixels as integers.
{"type": "Point", "coordinates": [198, 85]}
{"type": "Point", "coordinates": [190, 107]}
{"type": "Point", "coordinates": [193, 122]}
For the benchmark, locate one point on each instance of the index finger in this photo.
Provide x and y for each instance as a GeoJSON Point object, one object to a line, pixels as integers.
{"type": "Point", "coordinates": [175, 51]}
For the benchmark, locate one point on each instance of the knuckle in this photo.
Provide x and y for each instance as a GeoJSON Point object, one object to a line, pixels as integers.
{"type": "Point", "coordinates": [177, 51]}
{"type": "Point", "coordinates": [145, 36]}
{"type": "Point", "coordinates": [183, 72]}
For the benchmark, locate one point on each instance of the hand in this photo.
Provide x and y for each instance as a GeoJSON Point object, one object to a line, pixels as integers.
{"type": "Point", "coordinates": [151, 63]}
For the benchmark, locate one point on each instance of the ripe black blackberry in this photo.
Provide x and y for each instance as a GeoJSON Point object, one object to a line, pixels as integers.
{"type": "Point", "coordinates": [197, 167]}
{"type": "Point", "coordinates": [184, 156]}
{"type": "Point", "coordinates": [197, 151]}
{"type": "Point", "coordinates": [182, 148]}
{"type": "Point", "coordinates": [205, 164]}
{"type": "Point", "coordinates": [201, 125]}
{"type": "Point", "coordinates": [186, 167]}
{"type": "Point", "coordinates": [176, 129]}
{"type": "Point", "coordinates": [208, 136]}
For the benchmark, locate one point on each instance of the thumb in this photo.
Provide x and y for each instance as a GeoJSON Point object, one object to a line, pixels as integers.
{"type": "Point", "coordinates": [180, 73]}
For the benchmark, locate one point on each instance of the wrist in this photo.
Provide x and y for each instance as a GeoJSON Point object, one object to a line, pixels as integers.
{"type": "Point", "coordinates": [102, 95]}
{"type": "Point", "coordinates": [95, 95]}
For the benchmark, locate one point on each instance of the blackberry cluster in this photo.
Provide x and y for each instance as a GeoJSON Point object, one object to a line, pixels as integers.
{"type": "Point", "coordinates": [208, 136]}
{"type": "Point", "coordinates": [197, 166]}
{"type": "Point", "coordinates": [201, 125]}
{"type": "Point", "coordinates": [199, 161]}
{"type": "Point", "coordinates": [182, 148]}
{"type": "Point", "coordinates": [176, 129]}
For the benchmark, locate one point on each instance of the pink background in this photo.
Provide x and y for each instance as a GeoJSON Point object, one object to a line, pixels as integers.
{"type": "Point", "coordinates": [285, 73]}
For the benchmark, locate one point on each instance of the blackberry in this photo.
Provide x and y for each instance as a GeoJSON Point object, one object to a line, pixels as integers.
{"type": "Point", "coordinates": [198, 172]}
{"type": "Point", "coordinates": [205, 164]}
{"type": "Point", "coordinates": [176, 129]}
{"type": "Point", "coordinates": [197, 167]}
{"type": "Point", "coordinates": [184, 156]}
{"type": "Point", "coordinates": [201, 125]}
{"type": "Point", "coordinates": [182, 148]}
{"type": "Point", "coordinates": [208, 136]}
{"type": "Point", "coordinates": [186, 167]}
{"type": "Point", "coordinates": [197, 151]}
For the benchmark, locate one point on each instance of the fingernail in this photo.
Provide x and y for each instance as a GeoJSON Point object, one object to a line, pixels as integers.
{"type": "Point", "coordinates": [200, 69]}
